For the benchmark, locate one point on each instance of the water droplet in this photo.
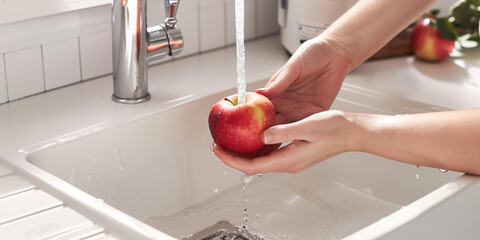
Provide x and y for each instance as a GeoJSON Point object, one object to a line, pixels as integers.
{"type": "Point", "coordinates": [443, 170]}
{"type": "Point", "coordinates": [225, 171]}
{"type": "Point", "coordinates": [121, 164]}
{"type": "Point", "coordinates": [120, 158]}
{"type": "Point", "coordinates": [94, 159]}
{"type": "Point", "coordinates": [215, 190]}
{"type": "Point", "coordinates": [418, 176]}
{"type": "Point", "coordinates": [100, 201]}
{"type": "Point", "coordinates": [260, 175]}
{"type": "Point", "coordinates": [115, 190]}
{"type": "Point", "coordinates": [246, 178]}
{"type": "Point", "coordinates": [73, 176]}
{"type": "Point", "coordinates": [90, 177]}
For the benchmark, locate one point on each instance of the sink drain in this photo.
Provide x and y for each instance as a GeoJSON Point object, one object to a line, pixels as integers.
{"type": "Point", "coordinates": [223, 231]}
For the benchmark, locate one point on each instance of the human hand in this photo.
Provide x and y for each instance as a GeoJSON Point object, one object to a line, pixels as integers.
{"type": "Point", "coordinates": [309, 82]}
{"type": "Point", "coordinates": [313, 139]}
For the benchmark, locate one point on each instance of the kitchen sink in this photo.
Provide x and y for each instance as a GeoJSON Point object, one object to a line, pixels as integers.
{"type": "Point", "coordinates": [160, 170]}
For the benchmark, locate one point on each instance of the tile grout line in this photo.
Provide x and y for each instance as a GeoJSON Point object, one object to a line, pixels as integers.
{"type": "Point", "coordinates": [43, 69]}
{"type": "Point", "coordinates": [80, 59]}
{"type": "Point", "coordinates": [5, 75]}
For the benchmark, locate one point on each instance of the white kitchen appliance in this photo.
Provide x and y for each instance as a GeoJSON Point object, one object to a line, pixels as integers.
{"type": "Point", "coordinates": [301, 20]}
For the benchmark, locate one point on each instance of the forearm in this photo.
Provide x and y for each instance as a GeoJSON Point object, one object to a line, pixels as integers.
{"type": "Point", "coordinates": [370, 24]}
{"type": "Point", "coordinates": [446, 140]}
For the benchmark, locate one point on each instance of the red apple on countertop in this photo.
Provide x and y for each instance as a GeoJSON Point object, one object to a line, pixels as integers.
{"type": "Point", "coordinates": [238, 127]}
{"type": "Point", "coordinates": [428, 43]}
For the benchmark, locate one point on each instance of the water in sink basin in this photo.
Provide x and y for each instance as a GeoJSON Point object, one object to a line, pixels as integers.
{"type": "Point", "coordinates": [283, 206]}
{"type": "Point", "coordinates": [161, 168]}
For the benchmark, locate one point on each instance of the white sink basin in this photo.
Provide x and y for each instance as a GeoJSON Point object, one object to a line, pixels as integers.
{"type": "Point", "coordinates": [160, 169]}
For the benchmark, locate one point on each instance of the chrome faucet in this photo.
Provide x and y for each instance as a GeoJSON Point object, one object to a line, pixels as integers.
{"type": "Point", "coordinates": [135, 44]}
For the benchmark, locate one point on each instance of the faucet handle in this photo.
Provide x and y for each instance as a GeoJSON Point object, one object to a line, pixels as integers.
{"type": "Point", "coordinates": [171, 7]}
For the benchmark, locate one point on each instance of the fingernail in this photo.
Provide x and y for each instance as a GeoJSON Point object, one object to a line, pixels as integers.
{"type": "Point", "coordinates": [261, 90]}
{"type": "Point", "coordinates": [267, 137]}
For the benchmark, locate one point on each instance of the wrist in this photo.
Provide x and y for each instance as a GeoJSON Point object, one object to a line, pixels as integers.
{"type": "Point", "coordinates": [338, 48]}
{"type": "Point", "coordinates": [361, 131]}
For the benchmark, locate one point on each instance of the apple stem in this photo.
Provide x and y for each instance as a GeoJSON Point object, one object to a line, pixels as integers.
{"type": "Point", "coordinates": [227, 99]}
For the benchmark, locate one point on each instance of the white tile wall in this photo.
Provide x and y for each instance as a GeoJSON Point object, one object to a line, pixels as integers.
{"type": "Point", "coordinates": [24, 72]}
{"type": "Point", "coordinates": [94, 20]}
{"type": "Point", "coordinates": [188, 20]}
{"type": "Point", "coordinates": [33, 33]}
{"type": "Point", "coordinates": [61, 62]}
{"type": "Point", "coordinates": [96, 54]}
{"type": "Point", "coordinates": [212, 24]}
{"type": "Point", "coordinates": [266, 17]}
{"type": "Point", "coordinates": [3, 82]}
{"type": "Point", "coordinates": [65, 48]}
{"type": "Point", "coordinates": [250, 16]}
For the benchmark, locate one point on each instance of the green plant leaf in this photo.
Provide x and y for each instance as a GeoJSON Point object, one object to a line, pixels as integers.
{"type": "Point", "coordinates": [446, 28]}
{"type": "Point", "coordinates": [475, 3]}
{"type": "Point", "coordinates": [464, 14]}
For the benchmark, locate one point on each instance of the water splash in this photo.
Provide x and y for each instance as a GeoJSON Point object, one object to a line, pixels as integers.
{"type": "Point", "coordinates": [286, 210]}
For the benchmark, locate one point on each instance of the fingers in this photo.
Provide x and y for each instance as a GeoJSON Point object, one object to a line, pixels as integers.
{"type": "Point", "coordinates": [280, 119]}
{"type": "Point", "coordinates": [292, 158]}
{"type": "Point", "coordinates": [280, 81]}
{"type": "Point", "coordinates": [234, 161]}
{"type": "Point", "coordinates": [281, 160]}
{"type": "Point", "coordinates": [286, 132]}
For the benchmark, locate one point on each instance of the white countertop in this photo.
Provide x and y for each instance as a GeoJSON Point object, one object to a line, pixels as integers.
{"type": "Point", "coordinates": [36, 122]}
{"type": "Point", "coordinates": [453, 83]}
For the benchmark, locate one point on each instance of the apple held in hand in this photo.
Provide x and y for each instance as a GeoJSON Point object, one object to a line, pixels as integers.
{"type": "Point", "coordinates": [428, 43]}
{"type": "Point", "coordinates": [238, 127]}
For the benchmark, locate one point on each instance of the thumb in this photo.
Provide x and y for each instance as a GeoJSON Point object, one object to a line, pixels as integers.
{"type": "Point", "coordinates": [283, 133]}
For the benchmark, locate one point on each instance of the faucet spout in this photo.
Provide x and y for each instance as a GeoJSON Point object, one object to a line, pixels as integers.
{"type": "Point", "coordinates": [134, 44]}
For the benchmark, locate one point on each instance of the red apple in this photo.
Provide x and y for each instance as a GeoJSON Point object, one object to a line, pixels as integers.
{"type": "Point", "coordinates": [428, 43]}
{"type": "Point", "coordinates": [238, 127]}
